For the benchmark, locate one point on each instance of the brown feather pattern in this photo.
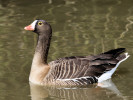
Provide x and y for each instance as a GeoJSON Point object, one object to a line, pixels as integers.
{"type": "Point", "coordinates": [82, 70]}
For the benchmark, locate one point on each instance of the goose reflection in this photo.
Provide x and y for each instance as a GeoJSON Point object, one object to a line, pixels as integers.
{"type": "Point", "coordinates": [94, 92]}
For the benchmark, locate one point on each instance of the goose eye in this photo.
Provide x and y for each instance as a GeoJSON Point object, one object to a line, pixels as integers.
{"type": "Point", "coordinates": [39, 23]}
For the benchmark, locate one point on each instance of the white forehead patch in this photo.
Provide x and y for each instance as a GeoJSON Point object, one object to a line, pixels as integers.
{"type": "Point", "coordinates": [33, 24]}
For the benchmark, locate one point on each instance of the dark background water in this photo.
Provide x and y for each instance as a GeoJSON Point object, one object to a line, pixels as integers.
{"type": "Point", "coordinates": [80, 27]}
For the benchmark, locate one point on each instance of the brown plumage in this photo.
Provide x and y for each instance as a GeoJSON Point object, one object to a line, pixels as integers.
{"type": "Point", "coordinates": [80, 70]}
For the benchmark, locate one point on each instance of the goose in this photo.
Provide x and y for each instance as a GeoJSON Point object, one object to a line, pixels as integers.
{"type": "Point", "coordinates": [69, 71]}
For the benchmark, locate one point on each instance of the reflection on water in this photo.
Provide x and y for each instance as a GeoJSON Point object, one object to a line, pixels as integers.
{"type": "Point", "coordinates": [79, 28]}
{"type": "Point", "coordinates": [130, 20]}
{"type": "Point", "coordinates": [76, 93]}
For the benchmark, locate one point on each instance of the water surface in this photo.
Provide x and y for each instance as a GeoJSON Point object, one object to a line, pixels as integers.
{"type": "Point", "coordinates": [80, 28]}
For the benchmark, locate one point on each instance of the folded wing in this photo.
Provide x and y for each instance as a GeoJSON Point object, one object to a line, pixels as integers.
{"type": "Point", "coordinates": [85, 69]}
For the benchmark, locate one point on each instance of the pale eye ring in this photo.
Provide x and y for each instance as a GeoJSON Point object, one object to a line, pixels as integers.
{"type": "Point", "coordinates": [39, 23]}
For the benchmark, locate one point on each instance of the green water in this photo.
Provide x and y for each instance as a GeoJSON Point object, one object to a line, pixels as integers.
{"type": "Point", "coordinates": [81, 27]}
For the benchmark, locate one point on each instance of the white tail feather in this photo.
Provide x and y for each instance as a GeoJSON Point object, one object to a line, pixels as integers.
{"type": "Point", "coordinates": [108, 74]}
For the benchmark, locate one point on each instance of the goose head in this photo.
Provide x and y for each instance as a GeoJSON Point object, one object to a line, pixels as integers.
{"type": "Point", "coordinates": [40, 27]}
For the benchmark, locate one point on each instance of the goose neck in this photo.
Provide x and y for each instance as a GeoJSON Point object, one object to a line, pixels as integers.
{"type": "Point", "coordinates": [42, 48]}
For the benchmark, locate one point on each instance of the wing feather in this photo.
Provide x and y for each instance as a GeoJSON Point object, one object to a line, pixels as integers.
{"type": "Point", "coordinates": [82, 69]}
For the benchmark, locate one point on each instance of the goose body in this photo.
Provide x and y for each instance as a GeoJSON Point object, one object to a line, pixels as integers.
{"type": "Point", "coordinates": [75, 70]}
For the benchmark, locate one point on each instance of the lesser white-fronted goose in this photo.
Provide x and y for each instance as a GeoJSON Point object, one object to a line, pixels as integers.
{"type": "Point", "coordinates": [80, 70]}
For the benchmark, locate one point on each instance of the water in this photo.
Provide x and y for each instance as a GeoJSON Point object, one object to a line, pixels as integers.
{"type": "Point", "coordinates": [81, 27]}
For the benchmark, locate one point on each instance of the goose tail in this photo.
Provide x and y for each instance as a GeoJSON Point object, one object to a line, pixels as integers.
{"type": "Point", "coordinates": [116, 53]}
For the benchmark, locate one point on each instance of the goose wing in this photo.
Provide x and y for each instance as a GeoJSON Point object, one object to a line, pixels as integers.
{"type": "Point", "coordinates": [85, 69]}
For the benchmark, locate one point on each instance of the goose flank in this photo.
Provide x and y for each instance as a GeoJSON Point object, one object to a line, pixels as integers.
{"type": "Point", "coordinates": [75, 70]}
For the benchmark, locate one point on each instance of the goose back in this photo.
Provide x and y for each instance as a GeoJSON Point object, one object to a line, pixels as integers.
{"type": "Point", "coordinates": [82, 70]}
